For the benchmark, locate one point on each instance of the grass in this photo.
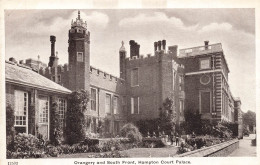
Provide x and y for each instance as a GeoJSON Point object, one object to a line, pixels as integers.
{"type": "Point", "coordinates": [133, 153]}
{"type": "Point", "coordinates": [150, 152]}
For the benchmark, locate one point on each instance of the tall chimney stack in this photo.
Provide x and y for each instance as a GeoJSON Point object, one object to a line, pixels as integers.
{"type": "Point", "coordinates": [159, 45]}
{"type": "Point", "coordinates": [163, 44]}
{"type": "Point", "coordinates": [137, 50]}
{"type": "Point", "coordinates": [206, 44]}
{"type": "Point", "coordinates": [53, 40]}
{"type": "Point", "coordinates": [132, 43]}
{"type": "Point", "coordinates": [155, 46]}
{"type": "Point", "coordinates": [134, 48]}
{"type": "Point", "coordinates": [53, 60]}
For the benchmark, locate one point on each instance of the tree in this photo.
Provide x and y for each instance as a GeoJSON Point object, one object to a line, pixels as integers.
{"type": "Point", "coordinates": [167, 118]}
{"type": "Point", "coordinates": [76, 119]}
{"type": "Point", "coordinates": [193, 123]}
{"type": "Point", "coordinates": [249, 118]}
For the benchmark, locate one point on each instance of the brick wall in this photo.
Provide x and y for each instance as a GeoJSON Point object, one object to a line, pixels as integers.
{"type": "Point", "coordinates": [219, 150]}
{"type": "Point", "coordinates": [148, 89]}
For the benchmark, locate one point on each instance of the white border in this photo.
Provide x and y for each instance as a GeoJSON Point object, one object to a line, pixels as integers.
{"type": "Point", "coordinates": [80, 4]}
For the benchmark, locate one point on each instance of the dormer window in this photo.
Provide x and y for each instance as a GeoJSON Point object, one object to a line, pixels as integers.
{"type": "Point", "coordinates": [80, 56]}
{"type": "Point", "coordinates": [205, 63]}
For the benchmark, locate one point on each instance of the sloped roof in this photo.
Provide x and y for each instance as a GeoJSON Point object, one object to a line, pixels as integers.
{"type": "Point", "coordinates": [22, 75]}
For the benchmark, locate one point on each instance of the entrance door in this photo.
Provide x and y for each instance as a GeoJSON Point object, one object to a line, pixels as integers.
{"type": "Point", "coordinates": [43, 124]}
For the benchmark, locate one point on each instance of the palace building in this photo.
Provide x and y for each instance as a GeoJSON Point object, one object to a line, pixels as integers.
{"type": "Point", "coordinates": [196, 79]}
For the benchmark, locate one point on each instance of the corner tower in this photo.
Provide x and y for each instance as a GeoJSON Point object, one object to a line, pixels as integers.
{"type": "Point", "coordinates": [79, 55]}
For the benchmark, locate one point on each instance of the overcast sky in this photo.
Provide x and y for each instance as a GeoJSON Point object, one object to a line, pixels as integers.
{"type": "Point", "coordinates": [27, 35]}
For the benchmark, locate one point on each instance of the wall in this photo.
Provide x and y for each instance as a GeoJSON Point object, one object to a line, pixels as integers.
{"type": "Point", "coordinates": [156, 83]}
{"type": "Point", "coordinates": [148, 89]}
{"type": "Point", "coordinates": [219, 150]}
{"type": "Point", "coordinates": [193, 85]}
{"type": "Point", "coordinates": [105, 83]}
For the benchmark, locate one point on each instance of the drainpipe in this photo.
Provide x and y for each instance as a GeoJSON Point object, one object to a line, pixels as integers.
{"type": "Point", "coordinates": [213, 83]}
{"type": "Point", "coordinates": [98, 90]}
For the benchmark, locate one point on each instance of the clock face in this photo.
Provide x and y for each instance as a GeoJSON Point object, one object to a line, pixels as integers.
{"type": "Point", "coordinates": [205, 79]}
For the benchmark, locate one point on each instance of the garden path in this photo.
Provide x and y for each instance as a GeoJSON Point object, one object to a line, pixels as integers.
{"type": "Point", "coordinates": [245, 148]}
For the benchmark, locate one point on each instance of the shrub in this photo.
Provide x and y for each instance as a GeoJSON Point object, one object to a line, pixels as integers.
{"type": "Point", "coordinates": [148, 126]}
{"type": "Point", "coordinates": [184, 147]}
{"type": "Point", "coordinates": [131, 131]}
{"type": "Point", "coordinates": [153, 143]}
{"type": "Point", "coordinates": [52, 151]}
{"type": "Point", "coordinates": [26, 146]}
{"type": "Point", "coordinates": [197, 143]}
{"type": "Point", "coordinates": [90, 142]}
{"type": "Point", "coordinates": [76, 120]}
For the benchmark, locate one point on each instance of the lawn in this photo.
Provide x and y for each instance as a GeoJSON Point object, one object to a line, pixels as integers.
{"type": "Point", "coordinates": [150, 152]}
{"type": "Point", "coordinates": [134, 153]}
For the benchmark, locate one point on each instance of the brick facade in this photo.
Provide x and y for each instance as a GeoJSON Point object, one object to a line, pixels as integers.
{"type": "Point", "coordinates": [212, 81]}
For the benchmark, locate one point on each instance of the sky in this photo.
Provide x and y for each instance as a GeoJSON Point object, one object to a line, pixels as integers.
{"type": "Point", "coordinates": [27, 35]}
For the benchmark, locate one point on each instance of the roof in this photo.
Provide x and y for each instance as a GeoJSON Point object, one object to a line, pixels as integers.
{"type": "Point", "coordinates": [23, 75]}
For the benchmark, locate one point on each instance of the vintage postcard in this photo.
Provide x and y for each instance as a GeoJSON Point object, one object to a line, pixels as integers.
{"type": "Point", "coordinates": [114, 82]}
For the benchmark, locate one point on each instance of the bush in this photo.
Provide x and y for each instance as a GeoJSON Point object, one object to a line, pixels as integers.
{"type": "Point", "coordinates": [97, 145]}
{"type": "Point", "coordinates": [184, 147]}
{"type": "Point", "coordinates": [90, 142]}
{"type": "Point", "coordinates": [26, 146]}
{"type": "Point", "coordinates": [153, 143]}
{"type": "Point", "coordinates": [131, 131]}
{"type": "Point", "coordinates": [148, 126]}
{"type": "Point", "coordinates": [196, 143]}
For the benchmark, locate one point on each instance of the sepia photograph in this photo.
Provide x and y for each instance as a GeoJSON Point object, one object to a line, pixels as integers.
{"type": "Point", "coordinates": [143, 83]}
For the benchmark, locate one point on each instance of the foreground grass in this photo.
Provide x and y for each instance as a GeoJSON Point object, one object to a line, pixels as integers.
{"type": "Point", "coordinates": [133, 153]}
{"type": "Point", "coordinates": [150, 152]}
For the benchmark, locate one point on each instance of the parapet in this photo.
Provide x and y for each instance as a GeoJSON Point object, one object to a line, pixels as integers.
{"type": "Point", "coordinates": [51, 70]}
{"type": "Point", "coordinates": [97, 72]}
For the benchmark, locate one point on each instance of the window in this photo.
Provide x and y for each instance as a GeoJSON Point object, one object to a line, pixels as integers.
{"type": "Point", "coordinates": [53, 78]}
{"type": "Point", "coordinates": [205, 102]}
{"type": "Point", "coordinates": [134, 77]}
{"type": "Point", "coordinates": [80, 56]}
{"type": "Point", "coordinates": [181, 107]}
{"type": "Point", "coordinates": [61, 111]}
{"type": "Point", "coordinates": [115, 105]}
{"type": "Point", "coordinates": [180, 82]}
{"type": "Point", "coordinates": [21, 109]}
{"type": "Point", "coordinates": [205, 63]}
{"type": "Point", "coordinates": [93, 99]}
{"type": "Point", "coordinates": [43, 109]}
{"type": "Point", "coordinates": [135, 105]}
{"type": "Point", "coordinates": [108, 103]}
{"type": "Point", "coordinates": [173, 79]}
{"type": "Point", "coordinates": [59, 79]}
